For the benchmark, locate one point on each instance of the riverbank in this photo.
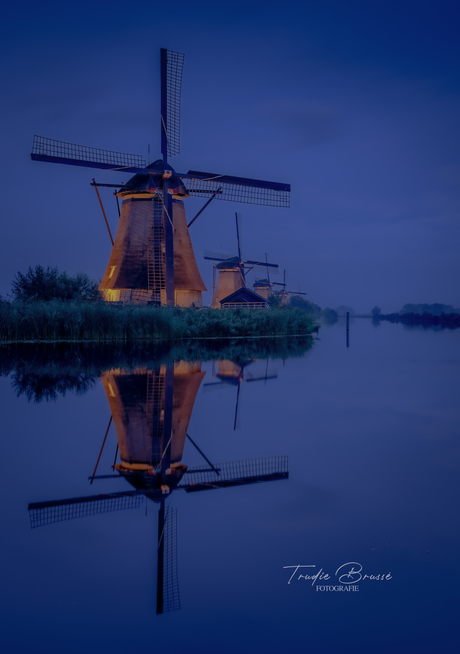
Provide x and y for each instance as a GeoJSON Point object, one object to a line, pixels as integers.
{"type": "Point", "coordinates": [81, 321]}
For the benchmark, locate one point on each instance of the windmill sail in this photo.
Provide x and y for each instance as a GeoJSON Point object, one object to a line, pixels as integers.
{"type": "Point", "coordinates": [236, 473]}
{"type": "Point", "coordinates": [217, 256]}
{"type": "Point", "coordinates": [261, 265]}
{"type": "Point", "coordinates": [172, 64]}
{"type": "Point", "coordinates": [45, 149]}
{"type": "Point", "coordinates": [44, 513]}
{"type": "Point", "coordinates": [238, 189]}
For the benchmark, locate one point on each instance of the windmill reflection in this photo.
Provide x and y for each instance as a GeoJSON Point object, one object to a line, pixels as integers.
{"type": "Point", "coordinates": [151, 411]}
{"type": "Point", "coordinates": [233, 373]}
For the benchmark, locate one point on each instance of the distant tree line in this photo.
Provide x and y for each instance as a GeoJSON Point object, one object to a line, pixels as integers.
{"type": "Point", "coordinates": [434, 309]}
{"type": "Point", "coordinates": [429, 315]}
{"type": "Point", "coordinates": [342, 310]}
{"type": "Point", "coordinates": [445, 320]}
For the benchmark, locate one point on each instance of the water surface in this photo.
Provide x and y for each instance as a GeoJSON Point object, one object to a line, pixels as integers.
{"type": "Point", "coordinates": [371, 433]}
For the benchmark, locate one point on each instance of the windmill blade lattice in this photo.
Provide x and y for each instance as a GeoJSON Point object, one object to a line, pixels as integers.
{"type": "Point", "coordinates": [238, 189]}
{"type": "Point", "coordinates": [264, 265]}
{"type": "Point", "coordinates": [172, 64]}
{"type": "Point", "coordinates": [217, 256]}
{"type": "Point", "coordinates": [235, 473]}
{"type": "Point", "coordinates": [52, 151]}
{"type": "Point", "coordinates": [258, 266]}
{"type": "Point", "coordinates": [45, 513]}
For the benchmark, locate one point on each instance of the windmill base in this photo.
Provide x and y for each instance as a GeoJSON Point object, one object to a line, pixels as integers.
{"type": "Point", "coordinates": [142, 297]}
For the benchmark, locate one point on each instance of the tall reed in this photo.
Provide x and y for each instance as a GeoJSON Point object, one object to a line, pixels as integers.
{"type": "Point", "coordinates": [57, 320]}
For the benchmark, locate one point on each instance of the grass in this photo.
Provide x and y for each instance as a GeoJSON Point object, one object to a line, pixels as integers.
{"type": "Point", "coordinates": [81, 321]}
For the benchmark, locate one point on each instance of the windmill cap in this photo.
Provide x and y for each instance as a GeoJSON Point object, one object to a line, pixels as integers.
{"type": "Point", "coordinates": [262, 282]}
{"type": "Point", "coordinates": [143, 183]}
{"type": "Point", "coordinates": [233, 262]}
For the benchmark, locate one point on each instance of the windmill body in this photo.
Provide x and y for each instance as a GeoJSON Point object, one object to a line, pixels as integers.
{"type": "Point", "coordinates": [230, 279]}
{"type": "Point", "coordinates": [152, 259]}
{"type": "Point", "coordinates": [263, 287]}
{"type": "Point", "coordinates": [284, 297]}
{"type": "Point", "coordinates": [136, 271]}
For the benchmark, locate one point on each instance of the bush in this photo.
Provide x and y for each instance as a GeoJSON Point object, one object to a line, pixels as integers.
{"type": "Point", "coordinates": [40, 284]}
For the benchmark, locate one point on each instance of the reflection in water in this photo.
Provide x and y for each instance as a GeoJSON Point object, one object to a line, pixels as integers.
{"type": "Point", "coordinates": [43, 371]}
{"type": "Point", "coordinates": [372, 437]}
{"type": "Point", "coordinates": [230, 372]}
{"type": "Point", "coordinates": [151, 406]}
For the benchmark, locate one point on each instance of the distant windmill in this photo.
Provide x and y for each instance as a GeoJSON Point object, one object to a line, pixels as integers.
{"type": "Point", "coordinates": [232, 270]}
{"type": "Point", "coordinates": [284, 294]}
{"type": "Point", "coordinates": [151, 411]}
{"type": "Point", "coordinates": [264, 286]}
{"type": "Point", "coordinates": [152, 260]}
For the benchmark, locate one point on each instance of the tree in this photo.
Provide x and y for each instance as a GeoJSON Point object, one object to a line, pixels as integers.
{"type": "Point", "coordinates": [310, 308]}
{"type": "Point", "coordinates": [376, 311]}
{"type": "Point", "coordinates": [49, 284]}
{"type": "Point", "coordinates": [275, 300]}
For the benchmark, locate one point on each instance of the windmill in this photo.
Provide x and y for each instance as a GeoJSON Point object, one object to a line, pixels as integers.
{"type": "Point", "coordinates": [264, 286]}
{"type": "Point", "coordinates": [151, 410]}
{"type": "Point", "coordinates": [152, 259]}
{"type": "Point", "coordinates": [232, 270]}
{"type": "Point", "coordinates": [284, 294]}
{"type": "Point", "coordinates": [233, 373]}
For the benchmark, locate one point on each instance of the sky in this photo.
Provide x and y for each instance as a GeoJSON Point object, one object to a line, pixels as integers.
{"type": "Point", "coordinates": [354, 103]}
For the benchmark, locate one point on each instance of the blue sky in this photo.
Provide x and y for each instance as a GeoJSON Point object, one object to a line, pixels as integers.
{"type": "Point", "coordinates": [356, 104]}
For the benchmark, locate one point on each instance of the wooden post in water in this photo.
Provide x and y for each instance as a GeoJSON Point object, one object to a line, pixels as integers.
{"type": "Point", "coordinates": [348, 328]}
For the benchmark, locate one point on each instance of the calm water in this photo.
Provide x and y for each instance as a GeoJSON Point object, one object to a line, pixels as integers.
{"type": "Point", "coordinates": [371, 433]}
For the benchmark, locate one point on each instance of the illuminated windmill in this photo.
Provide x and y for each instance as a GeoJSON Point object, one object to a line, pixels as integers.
{"type": "Point", "coordinates": [152, 260]}
{"type": "Point", "coordinates": [151, 410]}
{"type": "Point", "coordinates": [232, 270]}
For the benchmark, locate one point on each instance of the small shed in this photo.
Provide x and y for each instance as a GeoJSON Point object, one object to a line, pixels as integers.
{"type": "Point", "coordinates": [245, 298]}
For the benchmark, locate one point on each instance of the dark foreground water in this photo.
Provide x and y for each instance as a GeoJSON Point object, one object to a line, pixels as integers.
{"type": "Point", "coordinates": [373, 444]}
